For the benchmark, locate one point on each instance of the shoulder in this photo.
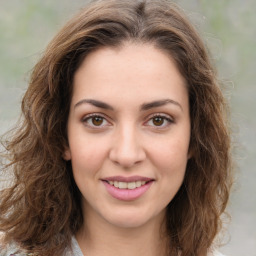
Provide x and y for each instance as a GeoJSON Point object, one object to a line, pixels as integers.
{"type": "Point", "coordinates": [216, 253]}
{"type": "Point", "coordinates": [74, 250]}
{"type": "Point", "coordinates": [9, 249]}
{"type": "Point", "coordinates": [12, 250]}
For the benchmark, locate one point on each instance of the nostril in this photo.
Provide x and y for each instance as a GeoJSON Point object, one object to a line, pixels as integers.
{"type": "Point", "coordinates": [126, 149]}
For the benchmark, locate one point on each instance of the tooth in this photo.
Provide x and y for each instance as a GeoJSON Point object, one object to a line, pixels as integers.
{"type": "Point", "coordinates": [131, 185]}
{"type": "Point", "coordinates": [122, 185]}
{"type": "Point", "coordinates": [116, 184]}
{"type": "Point", "coordinates": [125, 185]}
{"type": "Point", "coordinates": [138, 183]}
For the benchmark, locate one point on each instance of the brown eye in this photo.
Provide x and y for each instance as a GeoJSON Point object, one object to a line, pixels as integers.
{"type": "Point", "coordinates": [97, 120]}
{"type": "Point", "coordinates": [158, 121]}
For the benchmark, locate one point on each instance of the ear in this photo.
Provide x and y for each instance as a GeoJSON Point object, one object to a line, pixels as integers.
{"type": "Point", "coordinates": [190, 152]}
{"type": "Point", "coordinates": [190, 155]}
{"type": "Point", "coordinates": [67, 154]}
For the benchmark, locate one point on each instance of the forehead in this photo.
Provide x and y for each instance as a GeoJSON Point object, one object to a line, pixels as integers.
{"type": "Point", "coordinates": [139, 70]}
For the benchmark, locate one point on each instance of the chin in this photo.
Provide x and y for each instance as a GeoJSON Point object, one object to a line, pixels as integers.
{"type": "Point", "coordinates": [132, 219]}
{"type": "Point", "coordinates": [128, 223]}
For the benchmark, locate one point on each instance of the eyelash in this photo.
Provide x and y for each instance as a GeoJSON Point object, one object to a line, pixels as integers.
{"type": "Point", "coordinates": [164, 117]}
{"type": "Point", "coordinates": [89, 118]}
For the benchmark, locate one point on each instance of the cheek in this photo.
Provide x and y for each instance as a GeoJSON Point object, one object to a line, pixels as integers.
{"type": "Point", "coordinates": [170, 155]}
{"type": "Point", "coordinates": [169, 160]}
{"type": "Point", "coordinates": [87, 158]}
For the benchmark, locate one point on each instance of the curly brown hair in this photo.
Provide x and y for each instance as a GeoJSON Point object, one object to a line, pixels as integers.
{"type": "Point", "coordinates": [42, 210]}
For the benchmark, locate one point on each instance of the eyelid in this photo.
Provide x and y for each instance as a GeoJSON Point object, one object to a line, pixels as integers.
{"type": "Point", "coordinates": [88, 116]}
{"type": "Point", "coordinates": [167, 117]}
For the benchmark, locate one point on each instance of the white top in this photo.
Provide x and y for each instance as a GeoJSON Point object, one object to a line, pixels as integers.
{"type": "Point", "coordinates": [75, 250]}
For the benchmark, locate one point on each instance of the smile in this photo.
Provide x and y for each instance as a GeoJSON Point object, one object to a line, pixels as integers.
{"type": "Point", "coordinates": [127, 185]}
{"type": "Point", "coordinates": [127, 188]}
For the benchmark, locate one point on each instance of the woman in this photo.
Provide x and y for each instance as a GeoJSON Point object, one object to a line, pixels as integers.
{"type": "Point", "coordinates": [124, 147]}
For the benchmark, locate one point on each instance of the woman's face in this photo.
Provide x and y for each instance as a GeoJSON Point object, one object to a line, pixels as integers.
{"type": "Point", "coordinates": [128, 133]}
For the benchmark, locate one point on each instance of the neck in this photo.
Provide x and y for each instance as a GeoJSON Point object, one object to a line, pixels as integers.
{"type": "Point", "coordinates": [105, 239]}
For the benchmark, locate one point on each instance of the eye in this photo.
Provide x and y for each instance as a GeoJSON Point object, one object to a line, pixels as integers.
{"type": "Point", "coordinates": [95, 121]}
{"type": "Point", "coordinates": [159, 121]}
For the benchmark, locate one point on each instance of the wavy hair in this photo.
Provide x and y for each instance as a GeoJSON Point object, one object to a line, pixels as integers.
{"type": "Point", "coordinates": [42, 210]}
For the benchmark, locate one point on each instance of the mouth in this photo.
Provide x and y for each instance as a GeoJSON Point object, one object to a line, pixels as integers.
{"type": "Point", "coordinates": [132, 182]}
{"type": "Point", "coordinates": [127, 188]}
{"type": "Point", "coordinates": [127, 185]}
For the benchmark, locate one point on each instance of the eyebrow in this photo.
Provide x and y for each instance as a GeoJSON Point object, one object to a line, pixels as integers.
{"type": "Point", "coordinates": [96, 103]}
{"type": "Point", "coordinates": [159, 103]}
{"type": "Point", "coordinates": [144, 106]}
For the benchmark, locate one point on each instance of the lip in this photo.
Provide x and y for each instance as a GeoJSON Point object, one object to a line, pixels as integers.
{"type": "Point", "coordinates": [127, 194]}
{"type": "Point", "coordinates": [127, 179]}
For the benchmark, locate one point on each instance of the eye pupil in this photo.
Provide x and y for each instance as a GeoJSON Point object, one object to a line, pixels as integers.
{"type": "Point", "coordinates": [158, 121]}
{"type": "Point", "coordinates": [97, 120]}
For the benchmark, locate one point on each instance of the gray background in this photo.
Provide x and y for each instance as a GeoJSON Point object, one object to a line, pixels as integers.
{"type": "Point", "coordinates": [228, 28]}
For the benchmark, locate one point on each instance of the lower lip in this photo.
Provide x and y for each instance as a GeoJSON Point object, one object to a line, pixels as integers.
{"type": "Point", "coordinates": [127, 194]}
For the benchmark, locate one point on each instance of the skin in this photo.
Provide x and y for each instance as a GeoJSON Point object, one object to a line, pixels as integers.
{"type": "Point", "coordinates": [127, 140]}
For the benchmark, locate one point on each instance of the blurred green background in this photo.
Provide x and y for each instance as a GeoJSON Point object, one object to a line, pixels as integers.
{"type": "Point", "coordinates": [228, 28]}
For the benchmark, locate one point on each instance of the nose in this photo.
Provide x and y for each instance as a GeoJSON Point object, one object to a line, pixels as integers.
{"type": "Point", "coordinates": [127, 149]}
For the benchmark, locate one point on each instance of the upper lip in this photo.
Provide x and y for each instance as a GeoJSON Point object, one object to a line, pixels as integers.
{"type": "Point", "coordinates": [127, 179]}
